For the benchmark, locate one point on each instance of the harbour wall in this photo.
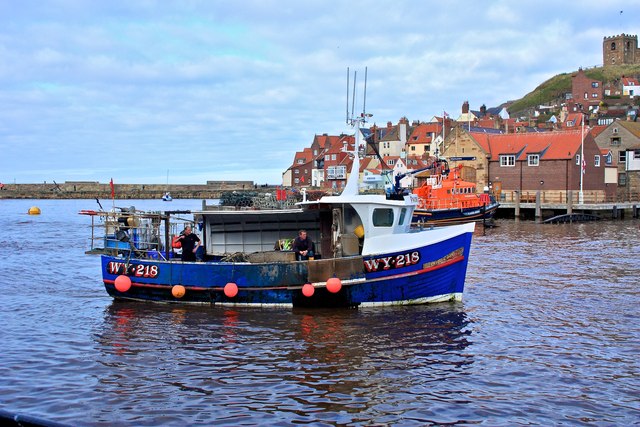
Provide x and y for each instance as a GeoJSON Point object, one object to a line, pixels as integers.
{"type": "Point", "coordinates": [94, 189]}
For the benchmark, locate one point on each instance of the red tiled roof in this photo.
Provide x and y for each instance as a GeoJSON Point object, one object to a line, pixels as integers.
{"type": "Point", "coordinates": [421, 132]}
{"type": "Point", "coordinates": [597, 130]}
{"type": "Point", "coordinates": [337, 145]}
{"type": "Point", "coordinates": [555, 145]}
{"type": "Point", "coordinates": [574, 119]}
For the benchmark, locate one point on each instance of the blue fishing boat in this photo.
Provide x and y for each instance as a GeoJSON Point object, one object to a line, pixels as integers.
{"type": "Point", "coordinates": [366, 253]}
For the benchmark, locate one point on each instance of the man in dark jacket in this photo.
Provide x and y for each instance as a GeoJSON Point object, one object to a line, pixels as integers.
{"type": "Point", "coordinates": [190, 243]}
{"type": "Point", "coordinates": [303, 246]}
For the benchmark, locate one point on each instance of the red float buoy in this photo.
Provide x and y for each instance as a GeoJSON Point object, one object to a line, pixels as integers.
{"type": "Point", "coordinates": [178, 291]}
{"type": "Point", "coordinates": [308, 289]}
{"type": "Point", "coordinates": [231, 290]}
{"type": "Point", "coordinates": [123, 283]}
{"type": "Point", "coordinates": [334, 285]}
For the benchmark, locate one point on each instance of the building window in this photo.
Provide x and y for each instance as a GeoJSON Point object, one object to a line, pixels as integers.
{"type": "Point", "coordinates": [297, 181]}
{"type": "Point", "coordinates": [391, 162]}
{"type": "Point", "coordinates": [636, 154]}
{"type": "Point", "coordinates": [622, 179]}
{"type": "Point", "coordinates": [615, 141]}
{"type": "Point", "coordinates": [594, 84]}
{"type": "Point", "coordinates": [608, 159]}
{"type": "Point", "coordinates": [327, 157]}
{"type": "Point", "coordinates": [333, 157]}
{"type": "Point", "coordinates": [596, 161]}
{"type": "Point", "coordinates": [622, 157]}
{"type": "Point", "coordinates": [578, 159]}
{"type": "Point", "coordinates": [594, 95]}
{"type": "Point", "coordinates": [615, 130]}
{"type": "Point", "coordinates": [586, 95]}
{"type": "Point", "coordinates": [331, 172]}
{"type": "Point", "coordinates": [506, 161]}
{"type": "Point", "coordinates": [534, 159]}
{"type": "Point", "coordinates": [413, 148]}
{"type": "Point", "coordinates": [613, 45]}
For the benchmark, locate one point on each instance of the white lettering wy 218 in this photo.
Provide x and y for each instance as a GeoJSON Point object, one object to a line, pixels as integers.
{"type": "Point", "coordinates": [389, 262]}
{"type": "Point", "coordinates": [137, 270]}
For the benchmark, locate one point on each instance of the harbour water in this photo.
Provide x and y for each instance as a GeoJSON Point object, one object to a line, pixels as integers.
{"type": "Point", "coordinates": [547, 334]}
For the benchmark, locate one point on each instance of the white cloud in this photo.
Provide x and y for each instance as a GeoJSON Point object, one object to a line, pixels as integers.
{"type": "Point", "coordinates": [211, 90]}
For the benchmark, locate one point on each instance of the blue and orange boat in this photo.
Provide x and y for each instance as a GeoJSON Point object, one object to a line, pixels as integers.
{"type": "Point", "coordinates": [366, 253]}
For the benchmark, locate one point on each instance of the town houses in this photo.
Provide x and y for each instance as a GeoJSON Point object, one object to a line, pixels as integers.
{"type": "Point", "coordinates": [509, 156]}
{"type": "Point", "coordinates": [586, 144]}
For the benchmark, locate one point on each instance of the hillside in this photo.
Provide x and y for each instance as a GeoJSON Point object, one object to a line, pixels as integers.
{"type": "Point", "coordinates": [555, 88]}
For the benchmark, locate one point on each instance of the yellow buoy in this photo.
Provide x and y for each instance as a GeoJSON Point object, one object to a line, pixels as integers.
{"type": "Point", "coordinates": [359, 231]}
{"type": "Point", "coordinates": [34, 210]}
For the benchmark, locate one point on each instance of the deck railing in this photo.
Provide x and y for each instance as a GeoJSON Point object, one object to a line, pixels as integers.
{"type": "Point", "coordinates": [563, 197]}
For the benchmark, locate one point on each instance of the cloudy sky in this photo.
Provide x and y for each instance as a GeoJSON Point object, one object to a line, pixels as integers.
{"type": "Point", "coordinates": [139, 90]}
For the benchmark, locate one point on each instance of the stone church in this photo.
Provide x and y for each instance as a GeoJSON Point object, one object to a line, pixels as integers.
{"type": "Point", "coordinates": [620, 50]}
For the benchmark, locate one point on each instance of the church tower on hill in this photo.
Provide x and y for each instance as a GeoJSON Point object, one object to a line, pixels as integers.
{"type": "Point", "coordinates": [620, 50]}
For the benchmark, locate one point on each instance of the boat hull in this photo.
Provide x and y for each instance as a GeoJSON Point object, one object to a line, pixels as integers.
{"type": "Point", "coordinates": [454, 216]}
{"type": "Point", "coordinates": [430, 273]}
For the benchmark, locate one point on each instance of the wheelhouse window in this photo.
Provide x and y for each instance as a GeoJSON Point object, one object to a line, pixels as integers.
{"type": "Point", "coordinates": [507, 160]}
{"type": "Point", "coordinates": [534, 159]}
{"type": "Point", "coordinates": [403, 214]}
{"type": "Point", "coordinates": [382, 217]}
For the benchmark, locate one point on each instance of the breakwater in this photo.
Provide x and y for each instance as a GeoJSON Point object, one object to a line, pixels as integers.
{"type": "Point", "coordinates": [94, 189]}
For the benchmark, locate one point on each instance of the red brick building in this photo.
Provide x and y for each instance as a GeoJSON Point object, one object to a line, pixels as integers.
{"type": "Point", "coordinates": [585, 92]}
{"type": "Point", "coordinates": [544, 161]}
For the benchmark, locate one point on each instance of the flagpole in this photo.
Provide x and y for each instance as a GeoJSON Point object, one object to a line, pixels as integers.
{"type": "Point", "coordinates": [582, 163]}
{"type": "Point", "coordinates": [444, 117]}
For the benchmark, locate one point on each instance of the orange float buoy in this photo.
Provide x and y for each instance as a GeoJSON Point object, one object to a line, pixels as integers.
{"type": "Point", "coordinates": [123, 283]}
{"type": "Point", "coordinates": [334, 285]}
{"type": "Point", "coordinates": [178, 291]}
{"type": "Point", "coordinates": [308, 289]}
{"type": "Point", "coordinates": [34, 210]}
{"type": "Point", "coordinates": [231, 290]}
{"type": "Point", "coordinates": [176, 243]}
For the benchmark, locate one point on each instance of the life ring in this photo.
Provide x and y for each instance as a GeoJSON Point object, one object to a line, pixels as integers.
{"type": "Point", "coordinates": [176, 243]}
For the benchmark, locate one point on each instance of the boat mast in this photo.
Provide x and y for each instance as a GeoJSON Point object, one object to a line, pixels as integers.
{"type": "Point", "coordinates": [351, 188]}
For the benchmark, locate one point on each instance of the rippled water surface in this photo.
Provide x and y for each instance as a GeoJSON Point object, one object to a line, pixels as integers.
{"type": "Point", "coordinates": [547, 334]}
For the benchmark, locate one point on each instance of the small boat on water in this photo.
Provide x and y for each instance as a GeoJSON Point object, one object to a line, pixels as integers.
{"type": "Point", "coordinates": [167, 197]}
{"type": "Point", "coordinates": [366, 253]}
{"type": "Point", "coordinates": [444, 198]}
